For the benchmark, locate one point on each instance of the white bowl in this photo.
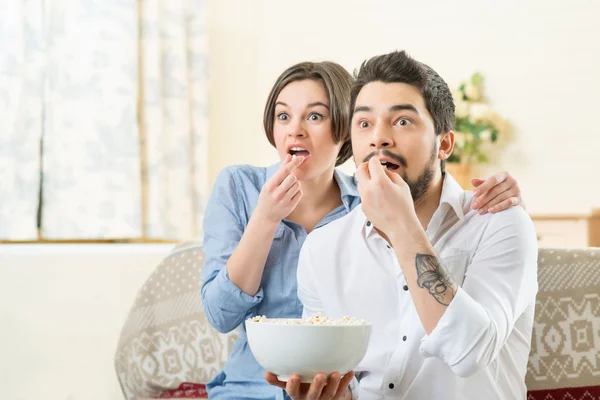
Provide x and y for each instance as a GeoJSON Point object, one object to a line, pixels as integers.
{"type": "Point", "coordinates": [286, 349]}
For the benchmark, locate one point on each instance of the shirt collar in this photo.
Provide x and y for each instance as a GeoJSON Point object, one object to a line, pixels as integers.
{"type": "Point", "coordinates": [452, 196]}
{"type": "Point", "coordinates": [347, 184]}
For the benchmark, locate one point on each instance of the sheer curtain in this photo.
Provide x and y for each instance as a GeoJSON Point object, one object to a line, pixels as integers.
{"type": "Point", "coordinates": [114, 95]}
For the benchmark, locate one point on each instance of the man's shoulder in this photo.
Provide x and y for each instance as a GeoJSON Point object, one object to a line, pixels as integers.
{"type": "Point", "coordinates": [512, 224]}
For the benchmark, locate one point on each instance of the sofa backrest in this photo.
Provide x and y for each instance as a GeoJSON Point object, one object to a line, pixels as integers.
{"type": "Point", "coordinates": [167, 340]}
{"type": "Point", "coordinates": [566, 333]}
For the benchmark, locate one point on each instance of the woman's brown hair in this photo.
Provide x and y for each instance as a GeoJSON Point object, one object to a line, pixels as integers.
{"type": "Point", "coordinates": [337, 82]}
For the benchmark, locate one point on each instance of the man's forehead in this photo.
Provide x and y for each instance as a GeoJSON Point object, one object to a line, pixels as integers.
{"type": "Point", "coordinates": [380, 95]}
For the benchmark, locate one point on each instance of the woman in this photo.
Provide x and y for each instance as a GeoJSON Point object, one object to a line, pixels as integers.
{"type": "Point", "coordinates": [257, 218]}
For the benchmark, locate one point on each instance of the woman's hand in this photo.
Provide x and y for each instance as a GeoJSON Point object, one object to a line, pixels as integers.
{"type": "Point", "coordinates": [280, 194]}
{"type": "Point", "coordinates": [496, 193]}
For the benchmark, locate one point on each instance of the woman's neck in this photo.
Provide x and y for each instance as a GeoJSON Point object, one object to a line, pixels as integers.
{"type": "Point", "coordinates": [320, 196]}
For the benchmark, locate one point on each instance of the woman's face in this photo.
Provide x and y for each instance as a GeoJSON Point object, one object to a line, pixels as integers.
{"type": "Point", "coordinates": [302, 127]}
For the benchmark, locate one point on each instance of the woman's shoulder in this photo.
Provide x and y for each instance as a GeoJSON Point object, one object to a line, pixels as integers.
{"type": "Point", "coordinates": [242, 176]}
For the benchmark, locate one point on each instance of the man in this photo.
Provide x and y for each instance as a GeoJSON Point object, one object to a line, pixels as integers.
{"type": "Point", "coordinates": [450, 292]}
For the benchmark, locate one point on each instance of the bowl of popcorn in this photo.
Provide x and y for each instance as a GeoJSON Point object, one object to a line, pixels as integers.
{"type": "Point", "coordinates": [308, 346]}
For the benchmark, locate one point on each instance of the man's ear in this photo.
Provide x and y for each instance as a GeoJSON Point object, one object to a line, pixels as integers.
{"type": "Point", "coordinates": [446, 145]}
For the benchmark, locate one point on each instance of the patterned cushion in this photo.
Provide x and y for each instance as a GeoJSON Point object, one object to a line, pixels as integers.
{"type": "Point", "coordinates": [566, 333]}
{"type": "Point", "coordinates": [166, 340]}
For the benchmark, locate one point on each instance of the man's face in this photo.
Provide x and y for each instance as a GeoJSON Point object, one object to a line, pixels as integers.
{"type": "Point", "coordinates": [391, 122]}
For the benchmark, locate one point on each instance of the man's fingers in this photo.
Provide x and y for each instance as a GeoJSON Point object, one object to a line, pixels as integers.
{"type": "Point", "coordinates": [293, 386]}
{"type": "Point", "coordinates": [344, 383]}
{"type": "Point", "coordinates": [490, 183]}
{"type": "Point", "coordinates": [316, 387]}
{"type": "Point", "coordinates": [375, 168]}
{"type": "Point", "coordinates": [362, 174]}
{"type": "Point", "coordinates": [394, 177]}
{"type": "Point", "coordinates": [331, 389]}
{"type": "Point", "coordinates": [273, 380]}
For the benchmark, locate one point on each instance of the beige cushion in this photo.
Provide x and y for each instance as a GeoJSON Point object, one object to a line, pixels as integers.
{"type": "Point", "coordinates": [166, 339]}
{"type": "Point", "coordinates": [566, 332]}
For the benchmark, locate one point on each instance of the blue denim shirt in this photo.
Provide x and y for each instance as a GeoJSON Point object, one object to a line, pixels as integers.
{"type": "Point", "coordinates": [232, 201]}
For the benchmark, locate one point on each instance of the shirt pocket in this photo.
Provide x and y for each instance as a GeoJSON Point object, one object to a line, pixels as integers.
{"type": "Point", "coordinates": [456, 262]}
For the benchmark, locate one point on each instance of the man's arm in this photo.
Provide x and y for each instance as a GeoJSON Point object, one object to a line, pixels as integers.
{"type": "Point", "coordinates": [468, 325]}
{"type": "Point", "coordinates": [430, 283]}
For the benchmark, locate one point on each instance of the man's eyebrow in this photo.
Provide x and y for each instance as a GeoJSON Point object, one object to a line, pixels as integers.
{"type": "Point", "coordinates": [408, 107]}
{"type": "Point", "coordinates": [362, 108]}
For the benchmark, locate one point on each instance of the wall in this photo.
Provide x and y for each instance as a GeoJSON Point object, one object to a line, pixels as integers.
{"type": "Point", "coordinates": [61, 312]}
{"type": "Point", "coordinates": [540, 60]}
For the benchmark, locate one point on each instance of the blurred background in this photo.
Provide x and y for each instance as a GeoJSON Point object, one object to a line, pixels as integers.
{"type": "Point", "coordinates": [117, 115]}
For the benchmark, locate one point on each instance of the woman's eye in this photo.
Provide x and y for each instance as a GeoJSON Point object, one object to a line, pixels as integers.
{"type": "Point", "coordinates": [283, 117]}
{"type": "Point", "coordinates": [403, 122]}
{"type": "Point", "coordinates": [363, 124]}
{"type": "Point", "coordinates": [315, 117]}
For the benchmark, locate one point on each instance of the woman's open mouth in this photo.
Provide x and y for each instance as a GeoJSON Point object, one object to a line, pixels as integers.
{"type": "Point", "coordinates": [299, 151]}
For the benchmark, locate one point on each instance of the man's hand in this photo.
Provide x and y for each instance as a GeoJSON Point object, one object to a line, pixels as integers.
{"type": "Point", "coordinates": [322, 388]}
{"type": "Point", "coordinates": [386, 199]}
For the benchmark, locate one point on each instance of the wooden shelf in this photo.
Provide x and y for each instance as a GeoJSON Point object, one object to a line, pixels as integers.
{"type": "Point", "coordinates": [568, 230]}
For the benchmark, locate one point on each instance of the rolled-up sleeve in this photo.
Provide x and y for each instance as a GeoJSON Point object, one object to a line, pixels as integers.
{"type": "Point", "coordinates": [224, 303]}
{"type": "Point", "coordinates": [500, 283]}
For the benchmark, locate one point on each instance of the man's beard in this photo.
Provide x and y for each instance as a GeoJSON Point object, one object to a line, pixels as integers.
{"type": "Point", "coordinates": [419, 186]}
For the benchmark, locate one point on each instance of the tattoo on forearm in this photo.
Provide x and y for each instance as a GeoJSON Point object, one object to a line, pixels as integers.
{"type": "Point", "coordinates": [434, 277]}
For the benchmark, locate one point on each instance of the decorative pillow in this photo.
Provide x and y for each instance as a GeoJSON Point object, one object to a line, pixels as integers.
{"type": "Point", "coordinates": [166, 341]}
{"type": "Point", "coordinates": [564, 362]}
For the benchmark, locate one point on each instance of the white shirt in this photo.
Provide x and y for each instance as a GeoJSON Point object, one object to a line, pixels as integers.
{"type": "Point", "coordinates": [480, 346]}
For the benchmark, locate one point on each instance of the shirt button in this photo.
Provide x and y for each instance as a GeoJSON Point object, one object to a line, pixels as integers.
{"type": "Point", "coordinates": [391, 385]}
{"type": "Point", "coordinates": [368, 223]}
{"type": "Point", "coordinates": [404, 338]}
{"type": "Point", "coordinates": [405, 287]}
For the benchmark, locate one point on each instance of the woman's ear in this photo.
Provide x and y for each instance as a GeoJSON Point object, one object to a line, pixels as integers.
{"type": "Point", "coordinates": [446, 145]}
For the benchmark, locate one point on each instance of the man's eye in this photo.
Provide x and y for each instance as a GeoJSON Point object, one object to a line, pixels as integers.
{"type": "Point", "coordinates": [403, 122]}
{"type": "Point", "coordinates": [283, 116]}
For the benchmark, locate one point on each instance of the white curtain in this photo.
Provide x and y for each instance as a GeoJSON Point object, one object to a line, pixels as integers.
{"type": "Point", "coordinates": [121, 115]}
{"type": "Point", "coordinates": [21, 91]}
{"type": "Point", "coordinates": [173, 60]}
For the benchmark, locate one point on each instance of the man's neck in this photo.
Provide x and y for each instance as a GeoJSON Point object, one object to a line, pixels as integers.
{"type": "Point", "coordinates": [430, 201]}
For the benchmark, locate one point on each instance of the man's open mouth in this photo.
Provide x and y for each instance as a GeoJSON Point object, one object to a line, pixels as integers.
{"type": "Point", "coordinates": [390, 166]}
{"type": "Point", "coordinates": [299, 151]}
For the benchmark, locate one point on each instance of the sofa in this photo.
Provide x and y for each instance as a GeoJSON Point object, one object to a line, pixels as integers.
{"type": "Point", "coordinates": [167, 348]}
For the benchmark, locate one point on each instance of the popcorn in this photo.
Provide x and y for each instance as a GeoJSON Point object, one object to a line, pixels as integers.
{"type": "Point", "coordinates": [318, 319]}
